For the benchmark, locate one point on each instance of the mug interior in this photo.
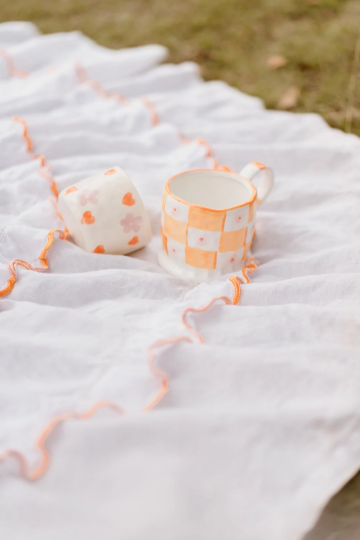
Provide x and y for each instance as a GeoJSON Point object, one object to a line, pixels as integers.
{"type": "Point", "coordinates": [211, 189]}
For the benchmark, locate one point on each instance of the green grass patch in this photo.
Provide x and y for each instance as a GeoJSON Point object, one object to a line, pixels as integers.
{"type": "Point", "coordinates": [232, 40]}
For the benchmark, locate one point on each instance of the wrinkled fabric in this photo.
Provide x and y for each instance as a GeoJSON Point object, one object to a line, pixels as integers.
{"type": "Point", "coordinates": [261, 424]}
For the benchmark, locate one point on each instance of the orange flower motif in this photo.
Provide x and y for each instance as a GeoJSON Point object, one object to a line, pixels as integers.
{"type": "Point", "coordinates": [111, 171]}
{"type": "Point", "coordinates": [128, 199]}
{"type": "Point", "coordinates": [133, 241]}
{"type": "Point", "coordinates": [87, 218]}
{"type": "Point", "coordinates": [99, 249]}
{"type": "Point", "coordinates": [70, 190]}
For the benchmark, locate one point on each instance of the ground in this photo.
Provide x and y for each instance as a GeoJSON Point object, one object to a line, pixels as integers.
{"type": "Point", "coordinates": [233, 40]}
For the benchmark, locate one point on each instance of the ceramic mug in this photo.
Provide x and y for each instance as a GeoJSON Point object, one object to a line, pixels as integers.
{"type": "Point", "coordinates": [208, 220]}
{"type": "Point", "coordinates": [105, 214]}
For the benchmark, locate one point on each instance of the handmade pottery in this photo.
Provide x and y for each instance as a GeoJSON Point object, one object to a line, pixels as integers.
{"type": "Point", "coordinates": [208, 220]}
{"type": "Point", "coordinates": [105, 214]}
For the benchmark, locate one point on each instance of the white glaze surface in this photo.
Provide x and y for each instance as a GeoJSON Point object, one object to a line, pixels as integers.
{"type": "Point", "coordinates": [106, 210]}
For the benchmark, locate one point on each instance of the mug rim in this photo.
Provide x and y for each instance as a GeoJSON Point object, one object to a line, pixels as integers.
{"type": "Point", "coordinates": [249, 201]}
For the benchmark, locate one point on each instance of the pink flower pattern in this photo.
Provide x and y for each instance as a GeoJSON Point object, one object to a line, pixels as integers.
{"type": "Point", "coordinates": [131, 223]}
{"type": "Point", "coordinates": [86, 196]}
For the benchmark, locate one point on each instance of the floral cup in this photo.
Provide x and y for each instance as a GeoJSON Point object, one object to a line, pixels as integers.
{"type": "Point", "coordinates": [105, 214]}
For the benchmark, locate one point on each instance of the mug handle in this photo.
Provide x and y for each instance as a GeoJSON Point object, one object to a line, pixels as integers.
{"type": "Point", "coordinates": [267, 182]}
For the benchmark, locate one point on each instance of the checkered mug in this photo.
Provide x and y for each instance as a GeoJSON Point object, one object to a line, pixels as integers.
{"type": "Point", "coordinates": [208, 220]}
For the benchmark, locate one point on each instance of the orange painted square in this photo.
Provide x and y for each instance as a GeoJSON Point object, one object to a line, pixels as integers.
{"type": "Point", "coordinates": [232, 240]}
{"type": "Point", "coordinates": [200, 258]}
{"type": "Point", "coordinates": [206, 220]}
{"type": "Point", "coordinates": [174, 229]}
{"type": "Point", "coordinates": [164, 240]}
{"type": "Point", "coordinates": [252, 209]}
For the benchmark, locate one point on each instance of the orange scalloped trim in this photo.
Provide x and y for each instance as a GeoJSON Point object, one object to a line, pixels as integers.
{"type": "Point", "coordinates": [194, 310]}
{"type": "Point", "coordinates": [29, 147]}
{"type": "Point", "coordinates": [158, 373]}
{"type": "Point", "coordinates": [250, 266]}
{"type": "Point", "coordinates": [154, 116]}
{"type": "Point", "coordinates": [224, 168]}
{"type": "Point", "coordinates": [40, 444]}
{"type": "Point", "coordinates": [25, 132]}
{"type": "Point", "coordinates": [164, 382]}
{"type": "Point", "coordinates": [153, 112]}
{"type": "Point", "coordinates": [100, 90]}
{"type": "Point", "coordinates": [62, 234]}
{"type": "Point", "coordinates": [24, 264]}
{"type": "Point", "coordinates": [237, 289]}
{"type": "Point", "coordinates": [12, 70]}
{"type": "Point", "coordinates": [53, 185]}
{"type": "Point", "coordinates": [66, 232]}
{"type": "Point", "coordinates": [164, 386]}
{"type": "Point", "coordinates": [207, 146]}
{"type": "Point", "coordinates": [96, 86]}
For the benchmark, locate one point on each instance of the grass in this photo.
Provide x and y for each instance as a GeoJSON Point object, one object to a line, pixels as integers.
{"type": "Point", "coordinates": [232, 40]}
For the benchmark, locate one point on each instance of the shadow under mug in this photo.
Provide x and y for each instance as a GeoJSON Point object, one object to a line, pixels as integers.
{"type": "Point", "coordinates": [208, 220]}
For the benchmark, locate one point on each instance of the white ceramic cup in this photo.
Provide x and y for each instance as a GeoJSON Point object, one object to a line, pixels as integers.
{"type": "Point", "coordinates": [105, 214]}
{"type": "Point", "coordinates": [208, 220]}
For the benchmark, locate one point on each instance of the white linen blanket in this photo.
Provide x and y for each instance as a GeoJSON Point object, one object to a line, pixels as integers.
{"type": "Point", "coordinates": [261, 422]}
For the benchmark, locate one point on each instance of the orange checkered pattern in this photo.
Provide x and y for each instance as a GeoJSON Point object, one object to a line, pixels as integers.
{"type": "Point", "coordinates": [204, 238]}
